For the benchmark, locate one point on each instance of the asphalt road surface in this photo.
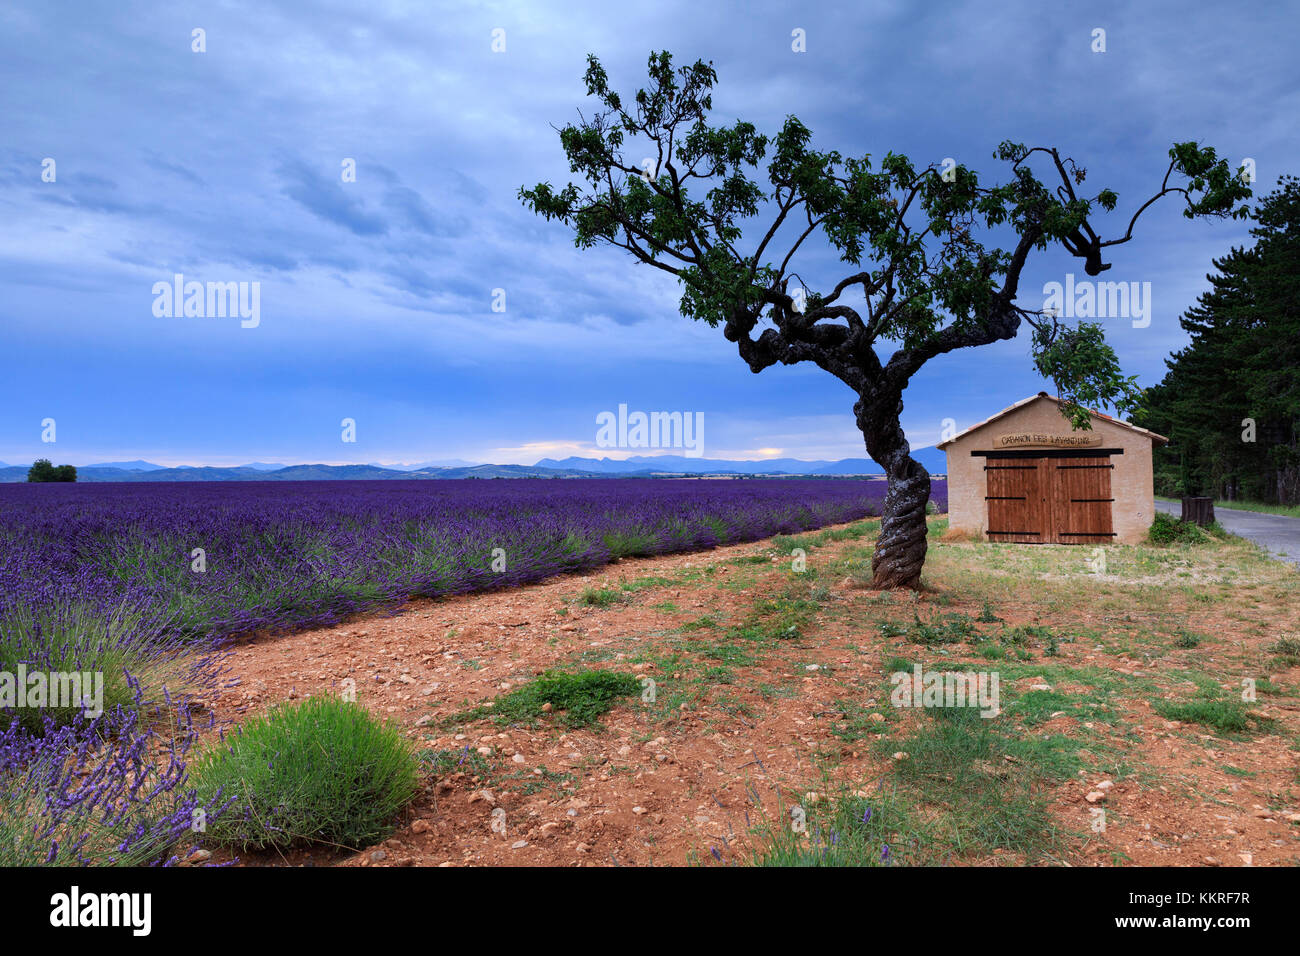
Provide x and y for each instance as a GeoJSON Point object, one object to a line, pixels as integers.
{"type": "Point", "coordinates": [1277, 533]}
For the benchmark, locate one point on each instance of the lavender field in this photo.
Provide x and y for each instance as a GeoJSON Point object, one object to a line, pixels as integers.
{"type": "Point", "coordinates": [294, 554]}
{"type": "Point", "coordinates": [141, 584]}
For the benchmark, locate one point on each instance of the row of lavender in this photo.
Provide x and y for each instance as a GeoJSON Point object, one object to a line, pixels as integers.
{"type": "Point", "coordinates": [134, 581]}
{"type": "Point", "coordinates": [217, 559]}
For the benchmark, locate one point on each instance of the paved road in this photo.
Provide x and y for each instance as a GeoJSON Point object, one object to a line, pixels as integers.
{"type": "Point", "coordinates": [1277, 533]}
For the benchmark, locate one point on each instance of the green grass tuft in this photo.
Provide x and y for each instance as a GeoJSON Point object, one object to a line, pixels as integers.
{"type": "Point", "coordinates": [600, 597]}
{"type": "Point", "coordinates": [576, 699]}
{"type": "Point", "coordinates": [1225, 716]}
{"type": "Point", "coordinates": [1166, 529]}
{"type": "Point", "coordinates": [1287, 648]}
{"type": "Point", "coordinates": [323, 771]}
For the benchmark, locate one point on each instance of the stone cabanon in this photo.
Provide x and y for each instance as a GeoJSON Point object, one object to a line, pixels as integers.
{"type": "Point", "coordinates": [1024, 475]}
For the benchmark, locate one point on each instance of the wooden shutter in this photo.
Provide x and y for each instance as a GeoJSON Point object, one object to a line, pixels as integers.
{"type": "Point", "coordinates": [1081, 500]}
{"type": "Point", "coordinates": [1016, 499]}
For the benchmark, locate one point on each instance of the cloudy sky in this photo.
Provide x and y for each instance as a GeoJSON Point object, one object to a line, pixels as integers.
{"type": "Point", "coordinates": [376, 296]}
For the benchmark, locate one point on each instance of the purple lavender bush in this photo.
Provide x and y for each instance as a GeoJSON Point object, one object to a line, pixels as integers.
{"type": "Point", "coordinates": [127, 656]}
{"type": "Point", "coordinates": [99, 778]}
{"type": "Point", "coordinates": [110, 791]}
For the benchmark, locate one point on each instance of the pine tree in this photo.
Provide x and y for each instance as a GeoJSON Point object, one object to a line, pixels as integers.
{"type": "Point", "coordinates": [1230, 403]}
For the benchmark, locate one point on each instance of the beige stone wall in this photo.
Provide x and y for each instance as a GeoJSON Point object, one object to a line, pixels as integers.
{"type": "Point", "coordinates": [1131, 481]}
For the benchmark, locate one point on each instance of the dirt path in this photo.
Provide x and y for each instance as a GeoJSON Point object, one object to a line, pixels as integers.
{"type": "Point", "coordinates": [772, 693]}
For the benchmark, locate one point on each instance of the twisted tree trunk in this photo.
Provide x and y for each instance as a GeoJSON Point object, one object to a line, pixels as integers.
{"type": "Point", "coordinates": [900, 549]}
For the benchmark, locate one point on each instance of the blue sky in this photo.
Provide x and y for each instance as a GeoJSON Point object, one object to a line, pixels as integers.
{"type": "Point", "coordinates": [376, 296]}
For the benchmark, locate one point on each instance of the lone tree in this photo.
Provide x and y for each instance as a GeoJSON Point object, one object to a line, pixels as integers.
{"type": "Point", "coordinates": [908, 236]}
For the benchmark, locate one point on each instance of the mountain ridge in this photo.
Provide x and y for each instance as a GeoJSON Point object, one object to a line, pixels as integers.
{"type": "Point", "coordinates": [934, 460]}
{"type": "Point", "coordinates": [572, 467]}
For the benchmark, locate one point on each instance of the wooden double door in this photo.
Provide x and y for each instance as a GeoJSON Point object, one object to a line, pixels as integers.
{"type": "Point", "coordinates": [1049, 500]}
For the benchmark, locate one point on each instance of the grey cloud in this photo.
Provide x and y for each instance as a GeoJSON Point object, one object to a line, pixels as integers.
{"type": "Point", "coordinates": [329, 200]}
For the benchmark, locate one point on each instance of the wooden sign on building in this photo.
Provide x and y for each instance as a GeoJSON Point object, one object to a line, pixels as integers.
{"type": "Point", "coordinates": [1024, 439]}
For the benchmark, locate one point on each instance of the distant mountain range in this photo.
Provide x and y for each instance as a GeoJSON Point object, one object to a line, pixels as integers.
{"type": "Point", "coordinates": [136, 465]}
{"type": "Point", "coordinates": [642, 465]}
{"type": "Point", "coordinates": [422, 465]}
{"type": "Point", "coordinates": [94, 473]}
{"type": "Point", "coordinates": [934, 460]}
